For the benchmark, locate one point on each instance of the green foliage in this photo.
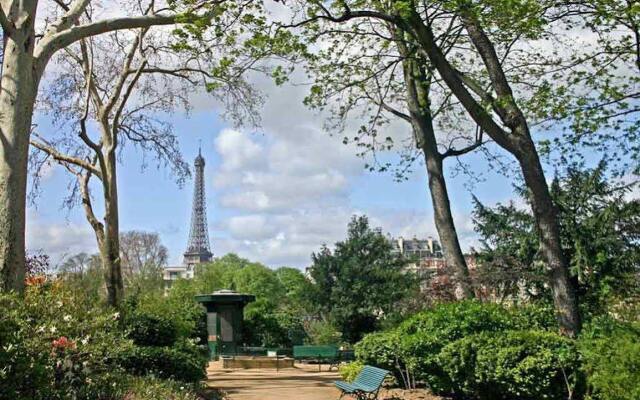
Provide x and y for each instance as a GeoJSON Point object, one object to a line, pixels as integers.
{"type": "Point", "coordinates": [152, 388]}
{"type": "Point", "coordinates": [296, 287]}
{"type": "Point", "coordinates": [170, 336]}
{"type": "Point", "coordinates": [412, 349]}
{"type": "Point", "coordinates": [350, 371]}
{"type": "Point", "coordinates": [266, 326]}
{"type": "Point", "coordinates": [359, 281]}
{"type": "Point", "coordinates": [178, 309]}
{"type": "Point", "coordinates": [275, 318]}
{"type": "Point", "coordinates": [230, 39]}
{"type": "Point", "coordinates": [55, 345]}
{"type": "Point", "coordinates": [151, 330]}
{"type": "Point", "coordinates": [507, 18]}
{"type": "Point", "coordinates": [380, 349]}
{"type": "Point", "coordinates": [59, 344]}
{"type": "Point", "coordinates": [599, 226]}
{"type": "Point", "coordinates": [600, 229]}
{"type": "Point", "coordinates": [183, 362]}
{"type": "Point", "coordinates": [511, 365]}
{"type": "Point", "coordinates": [424, 335]}
{"type": "Point", "coordinates": [610, 354]}
{"type": "Point", "coordinates": [260, 281]}
{"type": "Point", "coordinates": [322, 332]}
{"type": "Point", "coordinates": [262, 326]}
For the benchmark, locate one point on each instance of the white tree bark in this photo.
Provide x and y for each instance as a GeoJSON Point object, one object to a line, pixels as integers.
{"type": "Point", "coordinates": [23, 66]}
{"type": "Point", "coordinates": [17, 96]}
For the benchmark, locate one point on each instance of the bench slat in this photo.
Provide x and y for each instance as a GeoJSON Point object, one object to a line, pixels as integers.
{"type": "Point", "coordinates": [368, 381]}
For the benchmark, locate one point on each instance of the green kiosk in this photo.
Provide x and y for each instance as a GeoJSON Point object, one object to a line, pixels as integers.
{"type": "Point", "coordinates": [225, 312]}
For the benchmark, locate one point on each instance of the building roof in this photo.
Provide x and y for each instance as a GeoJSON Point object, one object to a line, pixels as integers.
{"type": "Point", "coordinates": [225, 296]}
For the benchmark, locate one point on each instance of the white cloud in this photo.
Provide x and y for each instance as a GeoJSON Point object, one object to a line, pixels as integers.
{"type": "Point", "coordinates": [289, 174]}
{"type": "Point", "coordinates": [238, 151]}
{"type": "Point", "coordinates": [251, 227]}
{"type": "Point", "coordinates": [286, 238]}
{"type": "Point", "coordinates": [288, 190]}
{"type": "Point", "coordinates": [58, 239]}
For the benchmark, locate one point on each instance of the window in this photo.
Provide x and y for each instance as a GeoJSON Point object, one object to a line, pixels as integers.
{"type": "Point", "coordinates": [173, 275]}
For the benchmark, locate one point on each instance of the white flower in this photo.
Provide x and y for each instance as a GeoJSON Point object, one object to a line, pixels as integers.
{"type": "Point", "coordinates": [59, 303]}
{"type": "Point", "coordinates": [67, 318]}
{"type": "Point", "coordinates": [53, 329]}
{"type": "Point", "coordinates": [40, 329]}
{"type": "Point", "coordinates": [116, 315]}
{"type": "Point", "coordinates": [85, 340]}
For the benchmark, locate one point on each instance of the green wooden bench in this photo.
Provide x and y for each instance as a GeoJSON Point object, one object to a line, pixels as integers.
{"type": "Point", "coordinates": [366, 385]}
{"type": "Point", "coordinates": [327, 353]}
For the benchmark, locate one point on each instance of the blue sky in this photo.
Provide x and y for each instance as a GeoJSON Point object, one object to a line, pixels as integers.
{"type": "Point", "coordinates": [275, 194]}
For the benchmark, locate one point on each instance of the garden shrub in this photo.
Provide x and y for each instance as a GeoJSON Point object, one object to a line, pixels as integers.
{"type": "Point", "coordinates": [350, 371]}
{"type": "Point", "coordinates": [610, 353]}
{"type": "Point", "coordinates": [183, 362]}
{"type": "Point", "coordinates": [146, 329]}
{"type": "Point", "coordinates": [322, 332]}
{"type": "Point", "coordinates": [411, 350]}
{"type": "Point", "coordinates": [425, 334]}
{"type": "Point", "coordinates": [55, 346]}
{"type": "Point", "coordinates": [540, 315]}
{"type": "Point", "coordinates": [187, 316]}
{"type": "Point", "coordinates": [512, 365]}
{"type": "Point", "coordinates": [379, 349]}
{"type": "Point", "coordinates": [151, 388]}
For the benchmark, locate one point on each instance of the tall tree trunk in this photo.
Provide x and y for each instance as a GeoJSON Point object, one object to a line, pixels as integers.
{"type": "Point", "coordinates": [518, 142]}
{"type": "Point", "coordinates": [110, 249]}
{"type": "Point", "coordinates": [546, 217]}
{"type": "Point", "coordinates": [19, 87]}
{"type": "Point", "coordinates": [445, 225]}
{"type": "Point", "coordinates": [418, 101]}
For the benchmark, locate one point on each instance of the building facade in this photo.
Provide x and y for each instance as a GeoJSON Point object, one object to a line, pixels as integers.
{"type": "Point", "coordinates": [422, 253]}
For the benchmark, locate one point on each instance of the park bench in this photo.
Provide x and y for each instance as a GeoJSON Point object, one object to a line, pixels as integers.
{"type": "Point", "coordinates": [327, 354]}
{"type": "Point", "coordinates": [366, 385]}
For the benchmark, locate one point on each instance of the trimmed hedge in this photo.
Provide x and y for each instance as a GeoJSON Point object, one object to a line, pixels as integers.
{"type": "Point", "coordinates": [182, 362]}
{"type": "Point", "coordinates": [411, 350]}
{"type": "Point", "coordinates": [510, 365]}
{"type": "Point", "coordinates": [147, 329]}
{"type": "Point", "coordinates": [610, 352]}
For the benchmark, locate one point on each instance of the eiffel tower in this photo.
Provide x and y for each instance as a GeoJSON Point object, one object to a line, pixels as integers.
{"type": "Point", "coordinates": [198, 250]}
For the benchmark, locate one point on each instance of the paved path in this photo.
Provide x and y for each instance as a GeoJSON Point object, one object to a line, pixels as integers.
{"type": "Point", "coordinates": [303, 382]}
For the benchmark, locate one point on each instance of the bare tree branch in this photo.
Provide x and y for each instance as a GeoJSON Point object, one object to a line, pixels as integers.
{"type": "Point", "coordinates": [64, 158]}
{"type": "Point", "coordinates": [70, 18]}
{"type": "Point", "coordinates": [116, 118]}
{"type": "Point", "coordinates": [50, 44]}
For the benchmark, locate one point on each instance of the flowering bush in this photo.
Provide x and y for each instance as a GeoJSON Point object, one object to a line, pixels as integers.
{"type": "Point", "coordinates": [54, 344]}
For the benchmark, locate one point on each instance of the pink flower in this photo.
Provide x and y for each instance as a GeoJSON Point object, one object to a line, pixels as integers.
{"type": "Point", "coordinates": [62, 343]}
{"type": "Point", "coordinates": [35, 280]}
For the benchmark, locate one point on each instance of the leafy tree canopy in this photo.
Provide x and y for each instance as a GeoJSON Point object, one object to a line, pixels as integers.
{"type": "Point", "coordinates": [360, 281]}
{"type": "Point", "coordinates": [600, 229]}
